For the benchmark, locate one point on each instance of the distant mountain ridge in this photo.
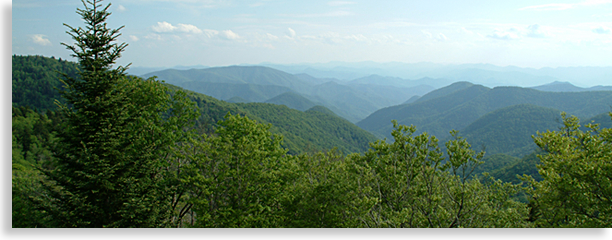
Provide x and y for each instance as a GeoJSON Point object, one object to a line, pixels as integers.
{"type": "Point", "coordinates": [485, 74]}
{"type": "Point", "coordinates": [232, 74]}
{"type": "Point", "coordinates": [292, 100]}
{"type": "Point", "coordinates": [568, 87]}
{"type": "Point", "coordinates": [459, 108]}
{"type": "Point", "coordinates": [352, 101]}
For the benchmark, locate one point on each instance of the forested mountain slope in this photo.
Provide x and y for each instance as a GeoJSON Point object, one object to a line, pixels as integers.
{"type": "Point", "coordinates": [310, 131]}
{"type": "Point", "coordinates": [35, 79]}
{"type": "Point", "coordinates": [419, 113]}
{"type": "Point", "coordinates": [508, 130]}
{"type": "Point", "coordinates": [440, 92]}
{"type": "Point", "coordinates": [304, 130]}
{"type": "Point", "coordinates": [232, 74]}
{"type": "Point", "coordinates": [460, 108]}
{"type": "Point", "coordinates": [292, 100]}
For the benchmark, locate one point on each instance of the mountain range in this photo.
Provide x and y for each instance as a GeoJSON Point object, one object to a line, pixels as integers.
{"type": "Point", "coordinates": [483, 74]}
{"type": "Point", "coordinates": [314, 113]}
{"type": "Point", "coordinates": [501, 118]}
{"type": "Point", "coordinates": [568, 87]}
{"type": "Point", "coordinates": [350, 100]}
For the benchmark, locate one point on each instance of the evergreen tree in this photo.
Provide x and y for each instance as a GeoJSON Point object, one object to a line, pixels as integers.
{"type": "Point", "coordinates": [110, 161]}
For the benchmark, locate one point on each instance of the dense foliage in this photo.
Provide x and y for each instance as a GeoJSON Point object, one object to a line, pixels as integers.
{"type": "Point", "coordinates": [311, 131]}
{"type": "Point", "coordinates": [34, 135]}
{"type": "Point", "coordinates": [508, 130]}
{"type": "Point", "coordinates": [576, 169]}
{"type": "Point", "coordinates": [36, 80]}
{"type": "Point", "coordinates": [130, 152]}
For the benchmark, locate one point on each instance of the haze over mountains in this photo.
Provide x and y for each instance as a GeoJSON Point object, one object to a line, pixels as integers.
{"type": "Point", "coordinates": [327, 109]}
{"type": "Point", "coordinates": [445, 74]}
{"type": "Point", "coordinates": [350, 100]}
{"type": "Point", "coordinates": [483, 102]}
{"type": "Point", "coordinates": [484, 74]}
{"type": "Point", "coordinates": [356, 90]}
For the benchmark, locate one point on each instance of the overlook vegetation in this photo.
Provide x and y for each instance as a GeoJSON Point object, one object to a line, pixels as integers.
{"type": "Point", "coordinates": [117, 150]}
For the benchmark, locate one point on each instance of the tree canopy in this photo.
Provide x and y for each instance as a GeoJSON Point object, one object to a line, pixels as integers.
{"type": "Point", "coordinates": [576, 170]}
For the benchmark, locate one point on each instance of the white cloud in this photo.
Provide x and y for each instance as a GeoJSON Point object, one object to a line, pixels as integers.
{"type": "Point", "coordinates": [163, 27]}
{"type": "Point", "coordinates": [439, 37]}
{"type": "Point", "coordinates": [188, 28]}
{"type": "Point", "coordinates": [535, 31]}
{"type": "Point", "coordinates": [464, 30]}
{"type": "Point", "coordinates": [153, 36]}
{"type": "Point", "coordinates": [291, 33]}
{"type": "Point", "coordinates": [442, 37]}
{"type": "Point", "coordinates": [121, 8]}
{"type": "Point", "coordinates": [210, 33]}
{"type": "Point", "coordinates": [601, 30]}
{"type": "Point", "coordinates": [271, 36]}
{"type": "Point", "coordinates": [41, 40]}
{"type": "Point", "coordinates": [357, 38]}
{"type": "Point", "coordinates": [504, 35]}
{"type": "Point", "coordinates": [229, 35]}
{"type": "Point", "coordinates": [133, 38]}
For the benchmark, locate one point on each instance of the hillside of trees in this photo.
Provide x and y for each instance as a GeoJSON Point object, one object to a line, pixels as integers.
{"type": "Point", "coordinates": [303, 130]}
{"type": "Point", "coordinates": [125, 151]}
{"type": "Point", "coordinates": [458, 108]}
{"type": "Point", "coordinates": [36, 80]}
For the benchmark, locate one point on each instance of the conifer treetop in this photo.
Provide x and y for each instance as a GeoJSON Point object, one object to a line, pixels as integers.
{"type": "Point", "coordinates": [94, 47]}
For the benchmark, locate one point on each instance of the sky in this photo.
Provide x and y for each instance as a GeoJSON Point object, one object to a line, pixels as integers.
{"type": "Point", "coordinates": [166, 33]}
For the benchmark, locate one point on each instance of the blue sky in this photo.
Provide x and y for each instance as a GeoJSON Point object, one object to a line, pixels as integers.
{"type": "Point", "coordinates": [164, 33]}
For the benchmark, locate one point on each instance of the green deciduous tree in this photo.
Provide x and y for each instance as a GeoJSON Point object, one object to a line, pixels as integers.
{"type": "Point", "coordinates": [576, 190]}
{"type": "Point", "coordinates": [236, 175]}
{"type": "Point", "coordinates": [110, 161]}
{"type": "Point", "coordinates": [416, 187]}
{"type": "Point", "coordinates": [325, 192]}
